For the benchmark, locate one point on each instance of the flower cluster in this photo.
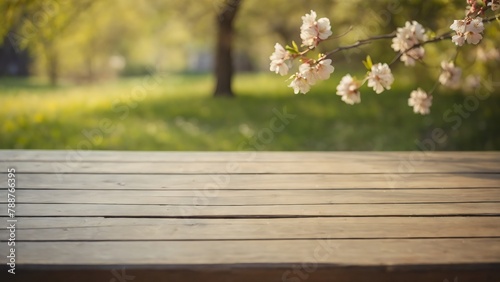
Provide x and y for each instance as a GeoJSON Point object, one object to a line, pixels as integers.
{"type": "Point", "coordinates": [309, 73]}
{"type": "Point", "coordinates": [280, 60]}
{"type": "Point", "coordinates": [300, 84]}
{"type": "Point", "coordinates": [380, 78]}
{"type": "Point", "coordinates": [469, 30]}
{"type": "Point", "coordinates": [349, 90]}
{"type": "Point", "coordinates": [313, 31]}
{"type": "Point", "coordinates": [420, 101]}
{"type": "Point", "coordinates": [407, 40]}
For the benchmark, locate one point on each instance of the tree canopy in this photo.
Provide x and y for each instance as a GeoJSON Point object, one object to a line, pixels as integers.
{"type": "Point", "coordinates": [86, 40]}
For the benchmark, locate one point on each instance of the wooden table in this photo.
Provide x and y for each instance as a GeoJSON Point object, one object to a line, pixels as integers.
{"type": "Point", "coordinates": [189, 216]}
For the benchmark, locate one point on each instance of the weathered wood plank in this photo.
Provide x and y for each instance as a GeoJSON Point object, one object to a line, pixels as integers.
{"type": "Point", "coordinates": [388, 252]}
{"type": "Point", "coordinates": [254, 197]}
{"type": "Point", "coordinates": [253, 182]}
{"type": "Point", "coordinates": [333, 167]}
{"type": "Point", "coordinates": [243, 156]}
{"type": "Point", "coordinates": [128, 229]}
{"type": "Point", "coordinates": [439, 209]}
{"type": "Point", "coordinates": [190, 214]}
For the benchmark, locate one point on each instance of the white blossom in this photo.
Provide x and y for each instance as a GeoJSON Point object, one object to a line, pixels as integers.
{"type": "Point", "coordinates": [314, 72]}
{"type": "Point", "coordinates": [299, 84]}
{"type": "Point", "coordinates": [308, 20]}
{"type": "Point", "coordinates": [458, 26]}
{"type": "Point", "coordinates": [308, 72]}
{"type": "Point", "coordinates": [472, 37]}
{"type": "Point", "coordinates": [324, 28]}
{"type": "Point", "coordinates": [279, 53]}
{"type": "Point", "coordinates": [467, 30]}
{"type": "Point", "coordinates": [308, 32]}
{"type": "Point", "coordinates": [280, 60]}
{"type": "Point", "coordinates": [450, 75]}
{"type": "Point", "coordinates": [458, 39]}
{"type": "Point", "coordinates": [349, 90]}
{"type": "Point", "coordinates": [476, 25]}
{"type": "Point", "coordinates": [409, 35]}
{"type": "Point", "coordinates": [324, 69]}
{"type": "Point", "coordinates": [312, 30]}
{"type": "Point", "coordinates": [406, 38]}
{"type": "Point", "coordinates": [420, 101]}
{"type": "Point", "coordinates": [473, 31]}
{"type": "Point", "coordinates": [280, 66]}
{"type": "Point", "coordinates": [380, 77]}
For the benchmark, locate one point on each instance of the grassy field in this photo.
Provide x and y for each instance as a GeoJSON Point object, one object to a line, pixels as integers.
{"type": "Point", "coordinates": [178, 113]}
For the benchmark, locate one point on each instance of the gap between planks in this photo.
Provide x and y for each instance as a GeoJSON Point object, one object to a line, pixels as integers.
{"type": "Point", "coordinates": [374, 252]}
{"type": "Point", "coordinates": [256, 197]}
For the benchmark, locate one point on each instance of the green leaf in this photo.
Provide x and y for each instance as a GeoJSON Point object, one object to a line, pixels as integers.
{"type": "Point", "coordinates": [368, 63]}
{"type": "Point", "coordinates": [291, 50]}
{"type": "Point", "coordinates": [295, 46]}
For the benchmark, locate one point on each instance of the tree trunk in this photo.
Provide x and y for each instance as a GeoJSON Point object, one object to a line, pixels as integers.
{"type": "Point", "coordinates": [223, 52]}
{"type": "Point", "coordinates": [13, 61]}
{"type": "Point", "coordinates": [53, 69]}
{"type": "Point", "coordinates": [52, 57]}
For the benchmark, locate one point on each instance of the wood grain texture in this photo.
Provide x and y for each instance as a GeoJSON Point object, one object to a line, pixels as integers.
{"type": "Point", "coordinates": [255, 198]}
{"type": "Point", "coordinates": [246, 216]}
{"type": "Point", "coordinates": [302, 167]}
{"type": "Point", "coordinates": [252, 182]}
{"type": "Point", "coordinates": [450, 209]}
{"type": "Point", "coordinates": [143, 229]}
{"type": "Point", "coordinates": [68, 156]}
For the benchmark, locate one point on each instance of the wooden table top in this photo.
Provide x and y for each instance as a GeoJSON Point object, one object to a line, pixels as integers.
{"type": "Point", "coordinates": [116, 216]}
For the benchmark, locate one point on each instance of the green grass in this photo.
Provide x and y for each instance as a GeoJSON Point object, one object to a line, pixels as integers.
{"type": "Point", "coordinates": [180, 114]}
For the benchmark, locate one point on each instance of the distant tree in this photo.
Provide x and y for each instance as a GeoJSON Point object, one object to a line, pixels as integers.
{"type": "Point", "coordinates": [37, 26]}
{"type": "Point", "coordinates": [13, 62]}
{"type": "Point", "coordinates": [224, 68]}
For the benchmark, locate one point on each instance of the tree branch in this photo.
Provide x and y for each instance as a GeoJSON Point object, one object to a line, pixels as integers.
{"type": "Point", "coordinates": [369, 40]}
{"type": "Point", "coordinates": [360, 43]}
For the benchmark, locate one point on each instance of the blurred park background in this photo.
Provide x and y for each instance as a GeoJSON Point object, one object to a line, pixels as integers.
{"type": "Point", "coordinates": [147, 75]}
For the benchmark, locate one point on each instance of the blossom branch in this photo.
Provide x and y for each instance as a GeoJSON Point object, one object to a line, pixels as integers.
{"type": "Point", "coordinates": [304, 53]}
{"type": "Point", "coordinates": [407, 41]}
{"type": "Point", "coordinates": [360, 43]}
{"type": "Point", "coordinates": [369, 40]}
